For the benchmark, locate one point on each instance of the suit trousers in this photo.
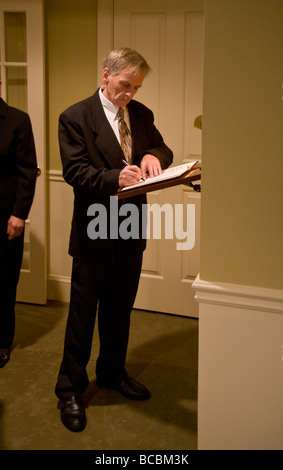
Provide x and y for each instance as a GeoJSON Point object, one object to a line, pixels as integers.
{"type": "Point", "coordinates": [11, 252]}
{"type": "Point", "coordinates": [105, 286]}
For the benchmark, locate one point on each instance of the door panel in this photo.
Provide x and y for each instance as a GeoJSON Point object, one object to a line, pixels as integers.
{"type": "Point", "coordinates": [22, 87]}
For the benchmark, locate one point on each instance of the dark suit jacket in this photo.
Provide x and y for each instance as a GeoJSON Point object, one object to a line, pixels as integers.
{"type": "Point", "coordinates": [18, 166]}
{"type": "Point", "coordinates": [92, 160]}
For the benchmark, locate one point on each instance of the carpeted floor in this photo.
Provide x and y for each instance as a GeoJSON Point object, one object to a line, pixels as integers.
{"type": "Point", "coordinates": [162, 354]}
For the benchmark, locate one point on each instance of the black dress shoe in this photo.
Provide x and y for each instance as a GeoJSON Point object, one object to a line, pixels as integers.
{"type": "Point", "coordinates": [73, 413]}
{"type": "Point", "coordinates": [129, 388]}
{"type": "Point", "coordinates": [4, 357]}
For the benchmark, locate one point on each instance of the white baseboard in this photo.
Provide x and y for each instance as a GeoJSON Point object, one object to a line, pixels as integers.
{"type": "Point", "coordinates": [240, 379]}
{"type": "Point", "coordinates": [240, 296]}
{"type": "Point", "coordinates": [58, 288]}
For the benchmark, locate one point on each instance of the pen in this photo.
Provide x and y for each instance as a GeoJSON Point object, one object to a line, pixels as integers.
{"type": "Point", "coordinates": [127, 164]}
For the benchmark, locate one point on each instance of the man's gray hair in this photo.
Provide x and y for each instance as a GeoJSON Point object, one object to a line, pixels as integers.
{"type": "Point", "coordinates": [125, 58]}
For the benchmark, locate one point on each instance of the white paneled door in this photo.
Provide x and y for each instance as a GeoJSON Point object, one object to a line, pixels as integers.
{"type": "Point", "coordinates": [22, 59]}
{"type": "Point", "coordinates": [169, 34]}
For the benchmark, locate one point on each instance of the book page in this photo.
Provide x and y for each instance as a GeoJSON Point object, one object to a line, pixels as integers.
{"type": "Point", "coordinates": [171, 172]}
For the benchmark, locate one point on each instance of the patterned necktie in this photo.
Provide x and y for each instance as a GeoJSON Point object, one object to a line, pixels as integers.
{"type": "Point", "coordinates": [125, 136]}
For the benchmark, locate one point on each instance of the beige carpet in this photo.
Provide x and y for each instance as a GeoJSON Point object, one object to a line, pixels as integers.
{"type": "Point", "coordinates": [162, 354]}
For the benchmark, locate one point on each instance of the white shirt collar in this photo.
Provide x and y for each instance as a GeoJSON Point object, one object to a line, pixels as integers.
{"type": "Point", "coordinates": [111, 111]}
{"type": "Point", "coordinates": [112, 108]}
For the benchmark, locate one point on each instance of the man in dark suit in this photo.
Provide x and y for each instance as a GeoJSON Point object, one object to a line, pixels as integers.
{"type": "Point", "coordinates": [18, 170]}
{"type": "Point", "coordinates": [106, 270]}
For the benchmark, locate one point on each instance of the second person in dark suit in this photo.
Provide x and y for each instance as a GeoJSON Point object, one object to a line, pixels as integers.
{"type": "Point", "coordinates": [18, 170]}
{"type": "Point", "coordinates": [106, 271]}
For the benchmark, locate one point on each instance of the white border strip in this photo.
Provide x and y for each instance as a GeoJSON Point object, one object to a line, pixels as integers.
{"type": "Point", "coordinates": [238, 296]}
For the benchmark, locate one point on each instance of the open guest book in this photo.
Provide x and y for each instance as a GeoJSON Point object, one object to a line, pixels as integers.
{"type": "Point", "coordinates": [172, 176]}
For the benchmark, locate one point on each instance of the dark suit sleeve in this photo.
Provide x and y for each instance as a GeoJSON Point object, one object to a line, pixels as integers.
{"type": "Point", "coordinates": [148, 138]}
{"type": "Point", "coordinates": [160, 150]}
{"type": "Point", "coordinates": [26, 168]}
{"type": "Point", "coordinates": [83, 165]}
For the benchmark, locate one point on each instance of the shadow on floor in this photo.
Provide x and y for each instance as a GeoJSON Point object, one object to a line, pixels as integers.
{"type": "Point", "coordinates": [162, 354]}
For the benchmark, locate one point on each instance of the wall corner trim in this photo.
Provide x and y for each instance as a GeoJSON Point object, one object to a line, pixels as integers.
{"type": "Point", "coordinates": [238, 296]}
{"type": "Point", "coordinates": [55, 175]}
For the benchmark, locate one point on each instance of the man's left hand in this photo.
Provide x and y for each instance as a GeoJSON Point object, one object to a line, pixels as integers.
{"type": "Point", "coordinates": [15, 227]}
{"type": "Point", "coordinates": [151, 165]}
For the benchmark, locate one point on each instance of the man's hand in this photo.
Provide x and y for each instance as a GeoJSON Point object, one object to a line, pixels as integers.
{"type": "Point", "coordinates": [151, 165]}
{"type": "Point", "coordinates": [15, 227]}
{"type": "Point", "coordinates": [131, 174]}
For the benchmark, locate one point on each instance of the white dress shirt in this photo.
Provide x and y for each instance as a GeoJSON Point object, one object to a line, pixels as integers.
{"type": "Point", "coordinates": [111, 111]}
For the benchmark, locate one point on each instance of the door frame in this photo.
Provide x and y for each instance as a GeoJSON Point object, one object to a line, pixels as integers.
{"type": "Point", "coordinates": [32, 283]}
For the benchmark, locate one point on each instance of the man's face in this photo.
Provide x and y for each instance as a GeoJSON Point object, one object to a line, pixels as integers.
{"type": "Point", "coordinates": [120, 88]}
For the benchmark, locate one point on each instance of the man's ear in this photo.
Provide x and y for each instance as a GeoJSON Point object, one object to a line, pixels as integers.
{"type": "Point", "coordinates": [105, 75]}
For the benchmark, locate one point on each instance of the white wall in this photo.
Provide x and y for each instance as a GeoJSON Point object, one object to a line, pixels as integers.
{"type": "Point", "coordinates": [241, 276]}
{"type": "Point", "coordinates": [240, 367]}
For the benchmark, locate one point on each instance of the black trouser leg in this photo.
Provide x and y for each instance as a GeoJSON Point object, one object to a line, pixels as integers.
{"type": "Point", "coordinates": [11, 252]}
{"type": "Point", "coordinates": [112, 285]}
{"type": "Point", "coordinates": [72, 378]}
{"type": "Point", "coordinates": [114, 312]}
